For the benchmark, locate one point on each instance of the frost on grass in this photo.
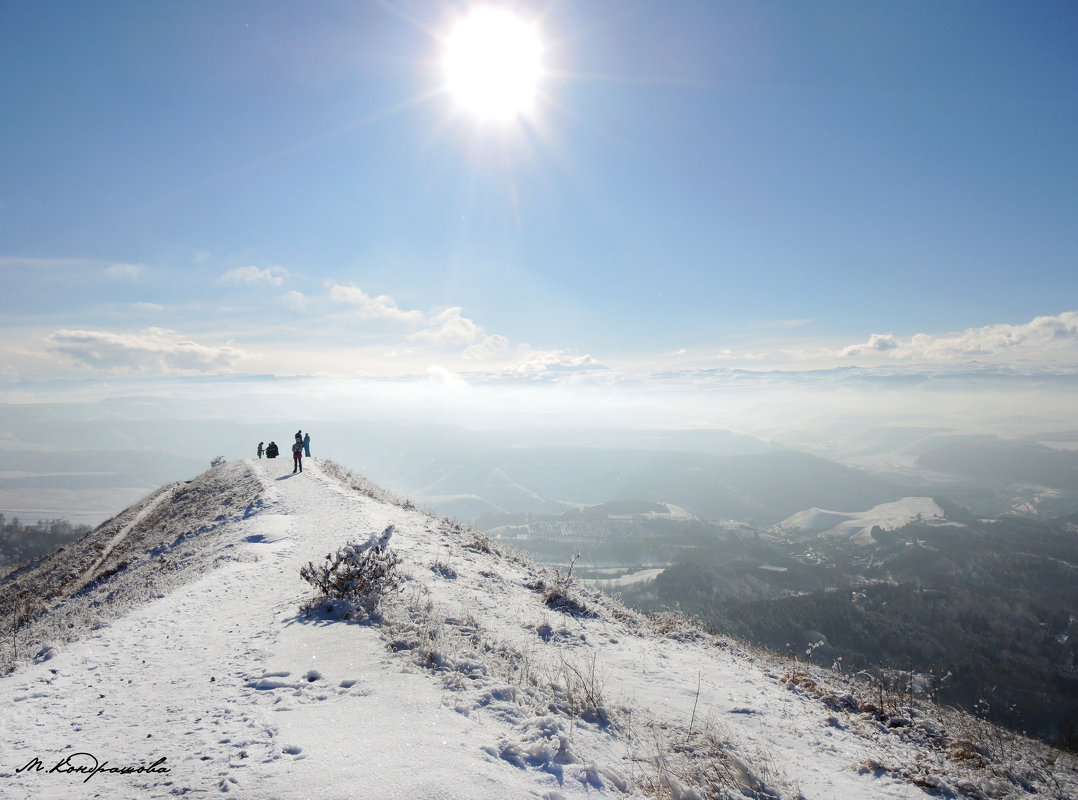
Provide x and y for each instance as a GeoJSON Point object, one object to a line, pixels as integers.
{"type": "Point", "coordinates": [562, 593]}
{"type": "Point", "coordinates": [359, 483]}
{"type": "Point", "coordinates": [171, 536]}
{"type": "Point", "coordinates": [352, 582]}
{"type": "Point", "coordinates": [555, 696]}
{"type": "Point", "coordinates": [697, 763]}
{"type": "Point", "coordinates": [959, 754]}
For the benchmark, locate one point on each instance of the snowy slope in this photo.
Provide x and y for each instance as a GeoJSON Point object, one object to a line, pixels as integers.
{"type": "Point", "coordinates": [857, 526]}
{"type": "Point", "coordinates": [469, 685]}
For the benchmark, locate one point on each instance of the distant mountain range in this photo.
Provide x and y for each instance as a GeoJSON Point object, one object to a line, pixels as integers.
{"type": "Point", "coordinates": [62, 462]}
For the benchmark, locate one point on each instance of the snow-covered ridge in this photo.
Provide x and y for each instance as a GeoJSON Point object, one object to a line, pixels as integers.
{"type": "Point", "coordinates": [485, 676]}
{"type": "Point", "coordinates": [172, 535]}
{"type": "Point", "coordinates": [857, 526]}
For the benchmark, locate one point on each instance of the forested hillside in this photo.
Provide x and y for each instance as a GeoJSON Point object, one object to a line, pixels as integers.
{"type": "Point", "coordinates": [19, 542]}
{"type": "Point", "coordinates": [978, 614]}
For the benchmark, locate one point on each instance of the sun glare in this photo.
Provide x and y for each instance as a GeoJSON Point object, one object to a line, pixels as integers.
{"type": "Point", "coordinates": [493, 64]}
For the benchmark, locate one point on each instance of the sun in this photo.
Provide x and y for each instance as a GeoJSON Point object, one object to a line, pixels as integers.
{"type": "Point", "coordinates": [493, 64]}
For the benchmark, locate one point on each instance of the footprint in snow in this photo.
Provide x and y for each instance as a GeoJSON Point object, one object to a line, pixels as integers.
{"type": "Point", "coordinates": [267, 683]}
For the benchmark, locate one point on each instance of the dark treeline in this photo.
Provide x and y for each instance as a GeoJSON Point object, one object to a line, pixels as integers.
{"type": "Point", "coordinates": [21, 542]}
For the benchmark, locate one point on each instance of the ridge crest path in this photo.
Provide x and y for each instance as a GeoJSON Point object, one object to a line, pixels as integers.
{"type": "Point", "coordinates": [242, 695]}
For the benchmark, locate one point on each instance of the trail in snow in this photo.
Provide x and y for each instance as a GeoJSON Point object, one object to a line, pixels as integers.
{"type": "Point", "coordinates": [163, 495]}
{"type": "Point", "coordinates": [243, 695]}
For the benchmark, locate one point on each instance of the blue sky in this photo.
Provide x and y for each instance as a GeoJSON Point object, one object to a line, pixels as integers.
{"type": "Point", "coordinates": [254, 188]}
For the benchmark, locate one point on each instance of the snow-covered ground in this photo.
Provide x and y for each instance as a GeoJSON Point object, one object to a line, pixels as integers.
{"type": "Point", "coordinates": [857, 526]}
{"type": "Point", "coordinates": [630, 578]}
{"type": "Point", "coordinates": [468, 684]}
{"type": "Point", "coordinates": [672, 512]}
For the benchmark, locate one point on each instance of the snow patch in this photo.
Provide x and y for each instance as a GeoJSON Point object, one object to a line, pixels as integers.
{"type": "Point", "coordinates": [857, 526]}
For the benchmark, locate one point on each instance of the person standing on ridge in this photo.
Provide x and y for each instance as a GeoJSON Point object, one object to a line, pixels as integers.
{"type": "Point", "coordinates": [307, 445]}
{"type": "Point", "coordinates": [260, 450]}
{"type": "Point", "coordinates": [297, 456]}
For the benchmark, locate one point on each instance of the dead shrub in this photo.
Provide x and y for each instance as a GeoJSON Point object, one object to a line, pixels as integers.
{"type": "Point", "coordinates": [352, 581]}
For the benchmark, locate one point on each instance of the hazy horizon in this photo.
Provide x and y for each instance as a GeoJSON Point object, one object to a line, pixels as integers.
{"type": "Point", "coordinates": [797, 222]}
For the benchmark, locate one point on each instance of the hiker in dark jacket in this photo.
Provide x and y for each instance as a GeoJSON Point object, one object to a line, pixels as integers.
{"type": "Point", "coordinates": [271, 450]}
{"type": "Point", "coordinates": [307, 445]}
{"type": "Point", "coordinates": [297, 456]}
{"type": "Point", "coordinates": [260, 450]}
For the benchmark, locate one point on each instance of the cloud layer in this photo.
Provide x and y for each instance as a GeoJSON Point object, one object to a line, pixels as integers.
{"type": "Point", "coordinates": [368, 307]}
{"type": "Point", "coordinates": [1041, 337]}
{"type": "Point", "coordinates": [253, 276]}
{"type": "Point", "coordinates": [295, 324]}
{"type": "Point", "coordinates": [150, 351]}
{"type": "Point", "coordinates": [448, 331]}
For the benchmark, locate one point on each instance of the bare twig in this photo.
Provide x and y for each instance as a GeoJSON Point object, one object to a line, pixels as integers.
{"type": "Point", "coordinates": [692, 719]}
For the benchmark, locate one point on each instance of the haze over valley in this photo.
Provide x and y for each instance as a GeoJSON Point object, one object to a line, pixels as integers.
{"type": "Point", "coordinates": [761, 316]}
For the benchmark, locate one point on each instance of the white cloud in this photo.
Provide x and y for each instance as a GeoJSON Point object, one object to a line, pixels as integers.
{"type": "Point", "coordinates": [1042, 333]}
{"type": "Point", "coordinates": [877, 342]}
{"type": "Point", "coordinates": [490, 347]}
{"type": "Point", "coordinates": [445, 328]}
{"type": "Point", "coordinates": [297, 300]}
{"type": "Point", "coordinates": [444, 377]}
{"type": "Point", "coordinates": [380, 307]}
{"type": "Point", "coordinates": [1043, 337]}
{"type": "Point", "coordinates": [449, 327]}
{"type": "Point", "coordinates": [458, 340]}
{"type": "Point", "coordinates": [150, 307]}
{"type": "Point", "coordinates": [153, 350]}
{"type": "Point", "coordinates": [559, 361]}
{"type": "Point", "coordinates": [252, 276]}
